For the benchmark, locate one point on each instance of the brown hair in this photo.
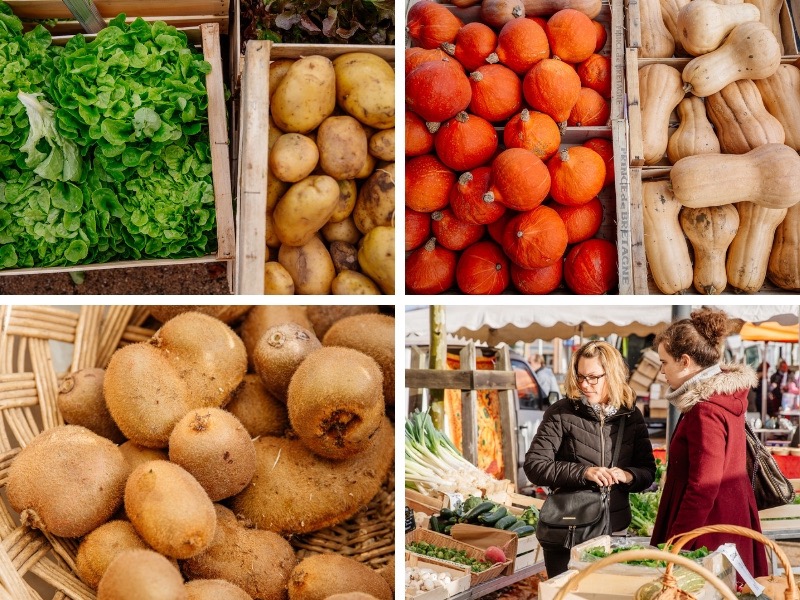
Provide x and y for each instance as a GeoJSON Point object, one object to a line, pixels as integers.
{"type": "Point", "coordinates": [616, 373]}
{"type": "Point", "coordinates": [700, 337]}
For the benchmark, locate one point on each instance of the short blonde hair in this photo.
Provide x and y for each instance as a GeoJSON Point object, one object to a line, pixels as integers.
{"type": "Point", "coordinates": [616, 373]}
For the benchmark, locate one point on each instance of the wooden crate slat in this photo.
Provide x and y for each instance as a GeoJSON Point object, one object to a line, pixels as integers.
{"type": "Point", "coordinates": [55, 9]}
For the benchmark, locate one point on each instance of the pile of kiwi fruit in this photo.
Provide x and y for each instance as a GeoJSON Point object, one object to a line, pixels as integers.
{"type": "Point", "coordinates": [186, 465]}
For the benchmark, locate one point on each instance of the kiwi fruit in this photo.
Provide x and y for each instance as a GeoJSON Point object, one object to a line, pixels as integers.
{"type": "Point", "coordinates": [210, 357]}
{"type": "Point", "coordinates": [67, 481]}
{"type": "Point", "coordinates": [258, 410]}
{"type": "Point", "coordinates": [226, 314]}
{"type": "Point", "coordinates": [141, 575]}
{"type": "Point", "coordinates": [279, 353]}
{"type": "Point", "coordinates": [335, 401]}
{"type": "Point", "coordinates": [214, 589]}
{"type": "Point", "coordinates": [101, 546]}
{"type": "Point", "coordinates": [297, 491]}
{"type": "Point", "coordinates": [215, 448]}
{"type": "Point", "coordinates": [169, 509]}
{"type": "Point", "coordinates": [323, 317]}
{"type": "Point", "coordinates": [372, 334]}
{"type": "Point", "coordinates": [145, 394]}
{"type": "Point", "coordinates": [80, 401]}
{"type": "Point", "coordinates": [135, 454]}
{"type": "Point", "coordinates": [257, 561]}
{"type": "Point", "coordinates": [322, 575]}
{"type": "Point", "coordinates": [262, 318]}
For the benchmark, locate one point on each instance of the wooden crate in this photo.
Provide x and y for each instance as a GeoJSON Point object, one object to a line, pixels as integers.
{"type": "Point", "coordinates": [180, 13]}
{"type": "Point", "coordinates": [253, 127]}
{"type": "Point", "coordinates": [208, 36]}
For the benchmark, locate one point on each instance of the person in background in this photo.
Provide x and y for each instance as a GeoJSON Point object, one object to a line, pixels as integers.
{"type": "Point", "coordinates": [574, 444]}
{"type": "Point", "coordinates": [544, 374]}
{"type": "Point", "coordinates": [754, 399]}
{"type": "Point", "coordinates": [790, 392]}
{"type": "Point", "coordinates": [707, 481]}
{"type": "Point", "coordinates": [777, 382]}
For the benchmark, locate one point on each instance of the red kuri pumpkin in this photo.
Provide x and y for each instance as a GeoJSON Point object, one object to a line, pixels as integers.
{"type": "Point", "coordinates": [590, 110]}
{"type": "Point", "coordinates": [496, 92]}
{"type": "Point", "coordinates": [571, 35]}
{"type": "Point", "coordinates": [430, 269]}
{"type": "Point", "coordinates": [577, 175]}
{"type": "Point", "coordinates": [483, 269]}
{"type": "Point", "coordinates": [437, 92]}
{"type": "Point", "coordinates": [418, 228]}
{"type": "Point", "coordinates": [535, 238]}
{"type": "Point", "coordinates": [540, 21]}
{"type": "Point", "coordinates": [473, 45]}
{"type": "Point", "coordinates": [591, 267]}
{"type": "Point", "coordinates": [537, 281]}
{"type": "Point", "coordinates": [428, 183]}
{"type": "Point", "coordinates": [465, 142]}
{"type": "Point", "coordinates": [453, 233]}
{"type": "Point", "coordinates": [582, 221]}
{"type": "Point", "coordinates": [534, 131]}
{"type": "Point", "coordinates": [595, 73]}
{"type": "Point", "coordinates": [605, 148]}
{"type": "Point", "coordinates": [520, 180]}
{"type": "Point", "coordinates": [416, 56]}
{"type": "Point", "coordinates": [469, 201]}
{"type": "Point", "coordinates": [552, 87]}
{"type": "Point", "coordinates": [602, 35]}
{"type": "Point", "coordinates": [498, 227]}
{"type": "Point", "coordinates": [430, 24]}
{"type": "Point", "coordinates": [521, 44]}
{"type": "Point", "coordinates": [419, 140]}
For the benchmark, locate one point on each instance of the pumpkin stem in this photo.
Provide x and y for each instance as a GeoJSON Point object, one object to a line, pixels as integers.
{"type": "Point", "coordinates": [430, 245]}
{"type": "Point", "coordinates": [498, 267]}
{"type": "Point", "coordinates": [555, 57]}
{"type": "Point", "coordinates": [465, 178]}
{"type": "Point", "coordinates": [476, 76]}
{"type": "Point", "coordinates": [437, 215]}
{"type": "Point", "coordinates": [449, 48]}
{"type": "Point", "coordinates": [564, 155]}
{"type": "Point", "coordinates": [518, 11]}
{"type": "Point", "coordinates": [520, 234]}
{"type": "Point", "coordinates": [525, 116]}
{"type": "Point", "coordinates": [488, 197]}
{"type": "Point", "coordinates": [562, 127]}
{"type": "Point", "coordinates": [462, 117]}
{"type": "Point", "coordinates": [493, 58]}
{"type": "Point", "coordinates": [687, 88]}
{"type": "Point", "coordinates": [432, 127]}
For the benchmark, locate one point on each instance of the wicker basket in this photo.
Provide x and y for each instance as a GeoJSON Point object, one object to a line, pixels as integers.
{"type": "Point", "coordinates": [37, 566]}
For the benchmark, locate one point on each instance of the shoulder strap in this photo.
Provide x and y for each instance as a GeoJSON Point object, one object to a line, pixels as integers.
{"type": "Point", "coordinates": [619, 440]}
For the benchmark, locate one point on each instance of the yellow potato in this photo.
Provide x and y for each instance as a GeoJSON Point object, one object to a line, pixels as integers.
{"type": "Point", "coordinates": [381, 144]}
{"type": "Point", "coordinates": [368, 167]}
{"type": "Point", "coordinates": [365, 88]}
{"type": "Point", "coordinates": [293, 157]}
{"type": "Point", "coordinates": [306, 95]}
{"type": "Point", "coordinates": [376, 257]}
{"type": "Point", "coordinates": [375, 204]}
{"type": "Point", "coordinates": [353, 283]}
{"type": "Point", "coordinates": [274, 133]}
{"type": "Point", "coordinates": [277, 279]}
{"type": "Point", "coordinates": [342, 147]}
{"type": "Point", "coordinates": [304, 209]}
{"type": "Point", "coordinates": [343, 231]}
{"type": "Point", "coordinates": [272, 240]}
{"type": "Point", "coordinates": [310, 267]}
{"type": "Point", "coordinates": [348, 192]}
{"type": "Point", "coordinates": [277, 71]}
{"type": "Point", "coordinates": [275, 189]}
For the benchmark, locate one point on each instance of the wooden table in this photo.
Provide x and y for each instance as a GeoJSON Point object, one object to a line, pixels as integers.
{"type": "Point", "coordinates": [499, 582]}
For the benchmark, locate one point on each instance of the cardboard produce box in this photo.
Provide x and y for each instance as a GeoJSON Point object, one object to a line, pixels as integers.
{"type": "Point", "coordinates": [460, 577]}
{"type": "Point", "coordinates": [483, 537]}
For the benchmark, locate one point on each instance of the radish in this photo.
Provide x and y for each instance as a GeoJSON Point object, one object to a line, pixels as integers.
{"type": "Point", "coordinates": [494, 555]}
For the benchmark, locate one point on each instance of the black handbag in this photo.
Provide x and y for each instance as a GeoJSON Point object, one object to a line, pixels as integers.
{"type": "Point", "coordinates": [770, 486]}
{"type": "Point", "coordinates": [570, 517]}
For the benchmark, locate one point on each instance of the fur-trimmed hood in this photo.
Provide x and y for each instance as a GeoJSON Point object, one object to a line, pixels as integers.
{"type": "Point", "coordinates": [727, 388]}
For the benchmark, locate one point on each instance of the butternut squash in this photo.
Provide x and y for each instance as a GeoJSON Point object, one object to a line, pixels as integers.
{"type": "Point", "coordinates": [741, 120]}
{"type": "Point", "coordinates": [710, 230]}
{"type": "Point", "coordinates": [770, 11]}
{"type": "Point", "coordinates": [781, 95]}
{"type": "Point", "coordinates": [748, 254]}
{"type": "Point", "coordinates": [726, 2]}
{"type": "Point", "coordinates": [657, 41]}
{"type": "Point", "coordinates": [749, 52]}
{"type": "Point", "coordinates": [660, 91]}
{"type": "Point", "coordinates": [783, 268]}
{"type": "Point", "coordinates": [704, 24]}
{"type": "Point", "coordinates": [768, 176]}
{"type": "Point", "coordinates": [539, 8]}
{"type": "Point", "coordinates": [694, 135]}
{"type": "Point", "coordinates": [664, 245]}
{"type": "Point", "coordinates": [669, 12]}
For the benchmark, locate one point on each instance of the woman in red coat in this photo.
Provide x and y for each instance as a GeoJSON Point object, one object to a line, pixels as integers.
{"type": "Point", "coordinates": [707, 481]}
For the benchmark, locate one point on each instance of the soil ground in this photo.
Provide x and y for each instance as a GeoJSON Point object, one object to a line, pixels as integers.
{"type": "Point", "coordinates": [195, 279]}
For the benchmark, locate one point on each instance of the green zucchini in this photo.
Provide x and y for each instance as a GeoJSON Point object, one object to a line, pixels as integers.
{"type": "Point", "coordinates": [524, 531]}
{"type": "Point", "coordinates": [505, 522]}
{"type": "Point", "coordinates": [433, 524]}
{"type": "Point", "coordinates": [481, 508]}
{"type": "Point", "coordinates": [517, 525]}
{"type": "Point", "coordinates": [494, 516]}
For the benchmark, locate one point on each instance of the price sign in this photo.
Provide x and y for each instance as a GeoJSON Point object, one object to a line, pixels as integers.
{"type": "Point", "coordinates": [411, 525]}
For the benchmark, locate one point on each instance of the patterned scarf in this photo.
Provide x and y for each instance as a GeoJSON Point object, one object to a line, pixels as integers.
{"type": "Point", "coordinates": [607, 410]}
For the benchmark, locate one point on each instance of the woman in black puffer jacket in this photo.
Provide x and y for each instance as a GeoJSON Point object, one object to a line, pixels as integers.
{"type": "Point", "coordinates": [573, 447]}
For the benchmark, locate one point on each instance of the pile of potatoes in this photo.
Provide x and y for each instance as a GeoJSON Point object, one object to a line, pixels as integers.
{"type": "Point", "coordinates": [189, 462]}
{"type": "Point", "coordinates": [331, 178]}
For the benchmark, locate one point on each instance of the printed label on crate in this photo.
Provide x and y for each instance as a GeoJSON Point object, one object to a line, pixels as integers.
{"type": "Point", "coordinates": [411, 524]}
{"type": "Point", "coordinates": [729, 550]}
{"type": "Point", "coordinates": [456, 500]}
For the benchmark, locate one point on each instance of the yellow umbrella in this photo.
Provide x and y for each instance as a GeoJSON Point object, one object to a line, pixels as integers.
{"type": "Point", "coordinates": [769, 332]}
